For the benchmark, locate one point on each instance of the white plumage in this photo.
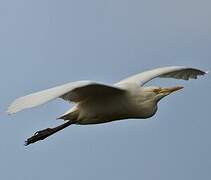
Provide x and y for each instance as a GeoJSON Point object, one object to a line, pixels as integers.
{"type": "Point", "coordinates": [177, 72]}
{"type": "Point", "coordinates": [82, 91]}
{"type": "Point", "coordinates": [99, 103]}
{"type": "Point", "coordinates": [74, 91]}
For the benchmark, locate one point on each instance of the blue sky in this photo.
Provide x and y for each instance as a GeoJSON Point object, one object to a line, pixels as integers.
{"type": "Point", "coordinates": [47, 43]}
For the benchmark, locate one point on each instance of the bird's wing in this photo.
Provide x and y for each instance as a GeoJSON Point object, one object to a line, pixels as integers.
{"type": "Point", "coordinates": [74, 91]}
{"type": "Point", "coordinates": [177, 72]}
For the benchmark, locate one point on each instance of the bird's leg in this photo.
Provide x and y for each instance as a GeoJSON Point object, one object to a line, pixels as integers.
{"type": "Point", "coordinates": [40, 135]}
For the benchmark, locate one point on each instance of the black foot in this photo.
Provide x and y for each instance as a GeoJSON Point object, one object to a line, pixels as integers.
{"type": "Point", "coordinates": [39, 135]}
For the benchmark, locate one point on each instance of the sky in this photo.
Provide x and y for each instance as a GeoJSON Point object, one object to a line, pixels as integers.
{"type": "Point", "coordinates": [45, 43]}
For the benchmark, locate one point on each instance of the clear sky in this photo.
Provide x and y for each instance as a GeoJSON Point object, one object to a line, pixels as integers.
{"type": "Point", "coordinates": [45, 43]}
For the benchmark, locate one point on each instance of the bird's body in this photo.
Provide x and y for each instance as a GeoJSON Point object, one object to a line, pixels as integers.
{"type": "Point", "coordinates": [100, 103]}
{"type": "Point", "coordinates": [100, 110]}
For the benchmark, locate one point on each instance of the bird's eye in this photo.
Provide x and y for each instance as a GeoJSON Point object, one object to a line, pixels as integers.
{"type": "Point", "coordinates": [157, 90]}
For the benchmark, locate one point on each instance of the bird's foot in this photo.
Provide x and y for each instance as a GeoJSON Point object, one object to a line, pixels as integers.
{"type": "Point", "coordinates": [39, 135]}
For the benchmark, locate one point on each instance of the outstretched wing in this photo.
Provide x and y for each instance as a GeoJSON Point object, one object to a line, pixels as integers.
{"type": "Point", "coordinates": [177, 72]}
{"type": "Point", "coordinates": [74, 91]}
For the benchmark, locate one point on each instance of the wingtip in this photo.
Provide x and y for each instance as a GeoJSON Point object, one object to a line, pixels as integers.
{"type": "Point", "coordinates": [15, 106]}
{"type": "Point", "coordinates": [11, 110]}
{"type": "Point", "coordinates": [10, 113]}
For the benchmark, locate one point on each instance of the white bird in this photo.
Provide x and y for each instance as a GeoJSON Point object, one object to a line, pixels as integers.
{"type": "Point", "coordinates": [99, 103]}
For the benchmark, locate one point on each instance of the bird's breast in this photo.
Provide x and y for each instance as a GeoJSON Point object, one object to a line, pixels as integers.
{"type": "Point", "coordinates": [101, 111]}
{"type": "Point", "coordinates": [142, 107]}
{"type": "Point", "coordinates": [144, 111]}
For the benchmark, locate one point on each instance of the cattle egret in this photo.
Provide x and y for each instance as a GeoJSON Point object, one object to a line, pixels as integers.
{"type": "Point", "coordinates": [96, 103]}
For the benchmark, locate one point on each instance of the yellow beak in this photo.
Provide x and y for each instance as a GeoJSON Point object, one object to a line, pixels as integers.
{"type": "Point", "coordinates": [170, 90]}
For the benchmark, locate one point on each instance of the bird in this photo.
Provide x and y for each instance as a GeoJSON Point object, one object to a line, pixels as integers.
{"type": "Point", "coordinates": [96, 102]}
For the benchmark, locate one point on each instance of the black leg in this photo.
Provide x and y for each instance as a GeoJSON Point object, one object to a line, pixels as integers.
{"type": "Point", "coordinates": [41, 135]}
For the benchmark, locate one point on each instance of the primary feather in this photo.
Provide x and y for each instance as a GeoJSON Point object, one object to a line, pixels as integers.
{"type": "Point", "coordinates": [177, 72]}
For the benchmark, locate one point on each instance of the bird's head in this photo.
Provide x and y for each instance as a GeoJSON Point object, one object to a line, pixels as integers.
{"type": "Point", "coordinates": [157, 93]}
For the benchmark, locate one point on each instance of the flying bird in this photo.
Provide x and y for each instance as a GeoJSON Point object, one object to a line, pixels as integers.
{"type": "Point", "coordinates": [96, 103]}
